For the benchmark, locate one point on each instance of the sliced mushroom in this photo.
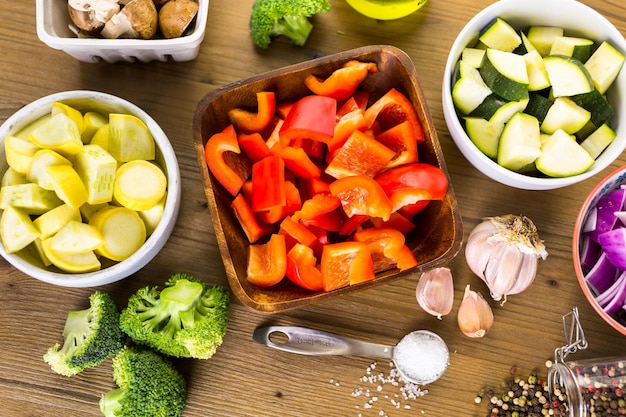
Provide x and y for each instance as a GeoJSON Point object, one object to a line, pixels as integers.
{"type": "Point", "coordinates": [138, 19]}
{"type": "Point", "coordinates": [91, 15]}
{"type": "Point", "coordinates": [175, 16]}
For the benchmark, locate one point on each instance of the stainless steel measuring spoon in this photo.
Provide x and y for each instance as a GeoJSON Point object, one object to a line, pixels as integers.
{"type": "Point", "coordinates": [420, 357]}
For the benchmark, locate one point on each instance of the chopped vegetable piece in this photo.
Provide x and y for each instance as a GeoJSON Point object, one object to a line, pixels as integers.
{"type": "Point", "coordinates": [67, 185]}
{"type": "Point", "coordinates": [345, 263]}
{"type": "Point", "coordinates": [267, 262]}
{"type": "Point", "coordinates": [59, 133]}
{"type": "Point", "coordinates": [16, 229]}
{"type": "Point", "coordinates": [253, 146]}
{"type": "Point", "coordinates": [130, 138]}
{"type": "Point", "coordinates": [359, 155]}
{"type": "Point", "coordinates": [343, 82]}
{"type": "Point", "coordinates": [311, 117]}
{"type": "Point", "coordinates": [298, 162]}
{"type": "Point", "coordinates": [268, 184]}
{"type": "Point", "coordinates": [386, 243]}
{"type": "Point", "coordinates": [97, 168]}
{"type": "Point", "coordinates": [249, 122]}
{"type": "Point", "coordinates": [122, 229]}
{"type": "Point", "coordinates": [229, 172]}
{"type": "Point", "coordinates": [360, 194]}
{"type": "Point", "coordinates": [76, 237]}
{"type": "Point", "coordinates": [392, 109]}
{"type": "Point", "coordinates": [139, 185]}
{"type": "Point", "coordinates": [295, 232]}
{"type": "Point", "coordinates": [302, 268]}
{"type": "Point", "coordinates": [251, 226]}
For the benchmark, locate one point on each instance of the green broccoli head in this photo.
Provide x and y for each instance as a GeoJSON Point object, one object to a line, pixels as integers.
{"type": "Point", "coordinates": [270, 18]}
{"type": "Point", "coordinates": [149, 386]}
{"type": "Point", "coordinates": [186, 319]}
{"type": "Point", "coordinates": [90, 336]}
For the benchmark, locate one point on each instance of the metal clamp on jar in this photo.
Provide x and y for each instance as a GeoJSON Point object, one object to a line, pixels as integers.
{"type": "Point", "coordinates": [593, 387]}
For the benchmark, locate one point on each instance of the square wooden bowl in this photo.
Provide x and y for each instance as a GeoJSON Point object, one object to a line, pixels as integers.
{"type": "Point", "coordinates": [438, 234]}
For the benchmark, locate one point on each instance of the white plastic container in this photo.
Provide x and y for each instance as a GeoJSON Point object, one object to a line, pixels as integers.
{"type": "Point", "coordinates": [53, 29]}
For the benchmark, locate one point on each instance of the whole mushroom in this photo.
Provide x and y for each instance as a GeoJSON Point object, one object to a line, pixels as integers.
{"type": "Point", "coordinates": [175, 16]}
{"type": "Point", "coordinates": [91, 15]}
{"type": "Point", "coordinates": [137, 19]}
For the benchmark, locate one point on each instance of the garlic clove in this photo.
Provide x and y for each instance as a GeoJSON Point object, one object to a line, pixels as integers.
{"type": "Point", "coordinates": [435, 292]}
{"type": "Point", "coordinates": [475, 316]}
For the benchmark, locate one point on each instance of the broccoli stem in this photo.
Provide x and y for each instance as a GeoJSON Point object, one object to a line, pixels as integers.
{"type": "Point", "coordinates": [297, 28]}
{"type": "Point", "coordinates": [77, 327]}
{"type": "Point", "coordinates": [110, 402]}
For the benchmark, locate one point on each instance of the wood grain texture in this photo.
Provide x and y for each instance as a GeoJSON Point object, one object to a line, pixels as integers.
{"type": "Point", "coordinates": [245, 379]}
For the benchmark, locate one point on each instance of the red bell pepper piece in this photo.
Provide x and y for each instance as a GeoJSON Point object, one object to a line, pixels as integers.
{"type": "Point", "coordinates": [316, 206]}
{"type": "Point", "coordinates": [343, 82]}
{"type": "Point", "coordinates": [314, 186]}
{"type": "Point", "coordinates": [296, 232]}
{"type": "Point", "coordinates": [413, 183]}
{"type": "Point", "coordinates": [389, 244]}
{"type": "Point", "coordinates": [267, 262]}
{"type": "Point", "coordinates": [345, 126]}
{"type": "Point", "coordinates": [302, 268]}
{"type": "Point", "coordinates": [311, 117]}
{"type": "Point", "coordinates": [360, 155]}
{"type": "Point", "coordinates": [268, 184]}
{"type": "Point", "coordinates": [345, 263]}
{"type": "Point", "coordinates": [392, 109]}
{"type": "Point", "coordinates": [330, 221]}
{"type": "Point", "coordinates": [250, 122]}
{"type": "Point", "coordinates": [298, 162]}
{"type": "Point", "coordinates": [360, 194]}
{"type": "Point", "coordinates": [350, 225]}
{"type": "Point", "coordinates": [252, 227]}
{"type": "Point", "coordinates": [223, 157]}
{"type": "Point", "coordinates": [400, 140]}
{"type": "Point", "coordinates": [293, 203]}
{"type": "Point", "coordinates": [397, 221]}
{"type": "Point", "coordinates": [348, 106]}
{"type": "Point", "coordinates": [253, 146]}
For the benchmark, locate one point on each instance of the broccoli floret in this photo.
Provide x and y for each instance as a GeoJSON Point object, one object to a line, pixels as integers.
{"type": "Point", "coordinates": [90, 336]}
{"type": "Point", "coordinates": [149, 386]}
{"type": "Point", "coordinates": [270, 18]}
{"type": "Point", "coordinates": [186, 319]}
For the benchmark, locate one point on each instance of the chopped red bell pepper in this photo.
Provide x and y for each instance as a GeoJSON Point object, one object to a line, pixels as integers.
{"type": "Point", "coordinates": [225, 161]}
{"type": "Point", "coordinates": [387, 243]}
{"type": "Point", "coordinates": [348, 106]}
{"type": "Point", "coordinates": [253, 146]}
{"type": "Point", "coordinates": [293, 203]}
{"type": "Point", "coordinates": [330, 221]}
{"type": "Point", "coordinates": [298, 162]}
{"type": "Point", "coordinates": [252, 227]}
{"type": "Point", "coordinates": [267, 262]}
{"type": "Point", "coordinates": [250, 122]}
{"type": "Point", "coordinates": [273, 139]}
{"type": "Point", "coordinates": [350, 225]}
{"type": "Point", "coordinates": [296, 232]}
{"type": "Point", "coordinates": [392, 109]}
{"type": "Point", "coordinates": [316, 206]}
{"type": "Point", "coordinates": [397, 221]}
{"type": "Point", "coordinates": [311, 117]}
{"type": "Point", "coordinates": [314, 186]}
{"type": "Point", "coordinates": [302, 268]}
{"type": "Point", "coordinates": [345, 126]}
{"type": "Point", "coordinates": [343, 82]}
{"type": "Point", "coordinates": [412, 183]}
{"type": "Point", "coordinates": [268, 184]}
{"type": "Point", "coordinates": [399, 139]}
{"type": "Point", "coordinates": [359, 155]}
{"type": "Point", "coordinates": [345, 263]}
{"type": "Point", "coordinates": [360, 194]}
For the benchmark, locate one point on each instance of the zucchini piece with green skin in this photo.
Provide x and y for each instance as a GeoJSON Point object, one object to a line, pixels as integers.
{"type": "Point", "coordinates": [568, 76]}
{"type": "Point", "coordinates": [542, 37]}
{"type": "Point", "coordinates": [469, 90]}
{"type": "Point", "coordinates": [598, 141]}
{"type": "Point", "coordinates": [500, 35]}
{"type": "Point", "coordinates": [505, 74]}
{"type": "Point", "coordinates": [538, 106]}
{"type": "Point", "coordinates": [537, 74]}
{"type": "Point", "coordinates": [604, 66]}
{"type": "Point", "coordinates": [473, 56]}
{"type": "Point", "coordinates": [561, 156]}
{"type": "Point", "coordinates": [579, 48]}
{"type": "Point", "coordinates": [565, 115]}
{"type": "Point", "coordinates": [520, 143]}
{"type": "Point", "coordinates": [601, 110]}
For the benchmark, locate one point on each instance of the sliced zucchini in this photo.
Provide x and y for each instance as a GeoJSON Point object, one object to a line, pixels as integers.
{"type": "Point", "coordinates": [519, 143]}
{"type": "Point", "coordinates": [473, 56]}
{"type": "Point", "coordinates": [579, 48]}
{"type": "Point", "coordinates": [489, 106]}
{"type": "Point", "coordinates": [595, 102]}
{"type": "Point", "coordinates": [505, 74]}
{"type": "Point", "coordinates": [536, 69]}
{"type": "Point", "coordinates": [538, 106]}
{"type": "Point", "coordinates": [568, 76]}
{"type": "Point", "coordinates": [598, 140]}
{"type": "Point", "coordinates": [562, 156]}
{"type": "Point", "coordinates": [500, 35]}
{"type": "Point", "coordinates": [542, 37]}
{"type": "Point", "coordinates": [469, 91]}
{"type": "Point", "coordinates": [604, 65]}
{"type": "Point", "coordinates": [566, 115]}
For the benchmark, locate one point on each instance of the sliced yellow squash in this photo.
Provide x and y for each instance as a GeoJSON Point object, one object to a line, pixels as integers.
{"type": "Point", "coordinates": [68, 185]}
{"type": "Point", "coordinates": [71, 262]}
{"type": "Point", "coordinates": [16, 229]}
{"type": "Point", "coordinates": [139, 185]}
{"type": "Point", "coordinates": [122, 229]}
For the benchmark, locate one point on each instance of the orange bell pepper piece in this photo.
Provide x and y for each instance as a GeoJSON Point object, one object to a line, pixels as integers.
{"type": "Point", "coordinates": [400, 140]}
{"type": "Point", "coordinates": [345, 263]}
{"type": "Point", "coordinates": [250, 122]}
{"type": "Point", "coordinates": [360, 155]}
{"type": "Point", "coordinates": [389, 244]}
{"type": "Point", "coordinates": [253, 146]}
{"type": "Point", "coordinates": [302, 268]}
{"type": "Point", "coordinates": [343, 82]}
{"type": "Point", "coordinates": [360, 194]}
{"type": "Point", "coordinates": [223, 157]}
{"type": "Point", "coordinates": [392, 109]}
{"type": "Point", "coordinates": [268, 184]}
{"type": "Point", "coordinates": [267, 262]}
{"type": "Point", "coordinates": [252, 227]}
{"type": "Point", "coordinates": [298, 162]}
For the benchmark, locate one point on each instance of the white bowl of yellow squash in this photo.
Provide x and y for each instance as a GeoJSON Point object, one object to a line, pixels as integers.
{"type": "Point", "coordinates": [90, 189]}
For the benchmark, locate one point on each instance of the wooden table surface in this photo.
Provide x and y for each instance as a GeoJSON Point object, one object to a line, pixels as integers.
{"type": "Point", "coordinates": [245, 378]}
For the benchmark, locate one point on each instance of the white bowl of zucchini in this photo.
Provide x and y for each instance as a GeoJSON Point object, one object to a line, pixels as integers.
{"type": "Point", "coordinates": [533, 92]}
{"type": "Point", "coordinates": [90, 189]}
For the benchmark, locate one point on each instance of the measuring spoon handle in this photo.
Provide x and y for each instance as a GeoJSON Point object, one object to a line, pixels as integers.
{"type": "Point", "coordinates": [315, 342]}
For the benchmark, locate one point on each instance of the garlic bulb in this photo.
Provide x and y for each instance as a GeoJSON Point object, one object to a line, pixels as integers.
{"type": "Point", "coordinates": [475, 316]}
{"type": "Point", "coordinates": [504, 251]}
{"type": "Point", "coordinates": [435, 292]}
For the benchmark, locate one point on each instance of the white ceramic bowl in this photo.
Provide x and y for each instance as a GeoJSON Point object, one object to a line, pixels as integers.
{"type": "Point", "coordinates": [578, 20]}
{"type": "Point", "coordinates": [26, 262]}
{"type": "Point", "coordinates": [53, 29]}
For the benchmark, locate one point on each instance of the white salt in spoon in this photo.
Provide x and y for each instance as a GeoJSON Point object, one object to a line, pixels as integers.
{"type": "Point", "coordinates": [420, 357]}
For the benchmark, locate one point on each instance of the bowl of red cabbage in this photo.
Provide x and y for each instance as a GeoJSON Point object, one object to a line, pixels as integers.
{"type": "Point", "coordinates": [599, 248]}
